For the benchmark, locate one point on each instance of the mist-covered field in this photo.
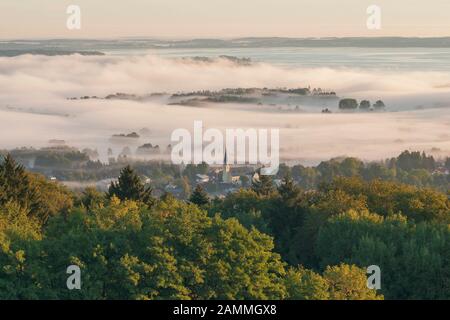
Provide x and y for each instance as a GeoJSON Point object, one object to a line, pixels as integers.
{"type": "Point", "coordinates": [34, 105]}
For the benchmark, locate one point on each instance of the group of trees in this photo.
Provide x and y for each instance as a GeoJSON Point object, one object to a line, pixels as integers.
{"type": "Point", "coordinates": [414, 257]}
{"type": "Point", "coordinates": [263, 242]}
{"type": "Point", "coordinates": [31, 192]}
{"type": "Point", "coordinates": [401, 228]}
{"type": "Point", "coordinates": [414, 168]}
{"type": "Point", "coordinates": [129, 247]}
{"type": "Point", "coordinates": [68, 164]}
{"type": "Point", "coordinates": [364, 105]}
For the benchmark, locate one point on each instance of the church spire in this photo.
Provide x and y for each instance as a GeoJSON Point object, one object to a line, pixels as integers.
{"type": "Point", "coordinates": [226, 175]}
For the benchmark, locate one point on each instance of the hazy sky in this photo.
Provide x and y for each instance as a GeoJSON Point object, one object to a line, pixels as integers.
{"type": "Point", "coordinates": [222, 18]}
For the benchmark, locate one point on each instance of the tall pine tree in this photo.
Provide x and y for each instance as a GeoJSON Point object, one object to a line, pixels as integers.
{"type": "Point", "coordinates": [263, 186]}
{"type": "Point", "coordinates": [199, 196]}
{"type": "Point", "coordinates": [15, 184]}
{"type": "Point", "coordinates": [130, 187]}
{"type": "Point", "coordinates": [288, 189]}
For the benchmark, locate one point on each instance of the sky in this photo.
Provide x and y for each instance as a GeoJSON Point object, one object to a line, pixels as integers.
{"type": "Point", "coordinates": [222, 18]}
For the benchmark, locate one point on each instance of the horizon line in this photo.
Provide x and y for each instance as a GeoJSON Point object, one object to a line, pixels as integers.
{"type": "Point", "coordinates": [184, 38]}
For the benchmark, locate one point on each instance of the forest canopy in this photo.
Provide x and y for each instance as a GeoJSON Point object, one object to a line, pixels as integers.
{"type": "Point", "coordinates": [267, 241]}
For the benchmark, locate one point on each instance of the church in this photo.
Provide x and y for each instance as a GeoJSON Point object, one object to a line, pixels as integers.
{"type": "Point", "coordinates": [226, 171]}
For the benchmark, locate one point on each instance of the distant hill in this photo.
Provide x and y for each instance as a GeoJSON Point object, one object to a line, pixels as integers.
{"type": "Point", "coordinates": [89, 46]}
{"type": "Point", "coordinates": [14, 53]}
{"type": "Point", "coordinates": [388, 42]}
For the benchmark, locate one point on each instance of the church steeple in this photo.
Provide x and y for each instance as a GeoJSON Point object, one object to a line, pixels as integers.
{"type": "Point", "coordinates": [226, 176]}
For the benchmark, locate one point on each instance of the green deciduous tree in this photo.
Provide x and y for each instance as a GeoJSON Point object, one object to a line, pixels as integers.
{"type": "Point", "coordinates": [304, 284]}
{"type": "Point", "coordinates": [348, 282]}
{"type": "Point", "coordinates": [341, 282]}
{"type": "Point", "coordinates": [414, 258]}
{"type": "Point", "coordinates": [348, 104]}
{"type": "Point", "coordinates": [379, 105]}
{"type": "Point", "coordinates": [364, 105]}
{"type": "Point", "coordinates": [127, 251]}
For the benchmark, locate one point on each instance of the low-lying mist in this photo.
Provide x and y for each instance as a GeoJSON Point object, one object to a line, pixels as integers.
{"type": "Point", "coordinates": [34, 106]}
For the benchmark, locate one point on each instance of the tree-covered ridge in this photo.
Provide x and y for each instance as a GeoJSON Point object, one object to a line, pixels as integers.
{"type": "Point", "coordinates": [32, 192]}
{"type": "Point", "coordinates": [264, 242]}
{"type": "Point", "coordinates": [401, 228]}
{"type": "Point", "coordinates": [414, 168]}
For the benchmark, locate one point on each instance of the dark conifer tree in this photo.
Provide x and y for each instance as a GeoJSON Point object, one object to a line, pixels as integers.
{"type": "Point", "coordinates": [263, 186]}
{"type": "Point", "coordinates": [288, 189]}
{"type": "Point", "coordinates": [130, 187]}
{"type": "Point", "coordinates": [15, 184]}
{"type": "Point", "coordinates": [199, 196]}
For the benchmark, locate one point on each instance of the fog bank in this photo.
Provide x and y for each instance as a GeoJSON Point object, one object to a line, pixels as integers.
{"type": "Point", "coordinates": [34, 106]}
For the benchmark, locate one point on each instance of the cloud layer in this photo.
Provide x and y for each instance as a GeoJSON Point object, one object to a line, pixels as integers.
{"type": "Point", "coordinates": [34, 108]}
